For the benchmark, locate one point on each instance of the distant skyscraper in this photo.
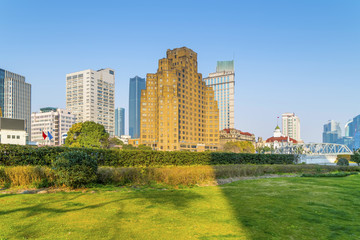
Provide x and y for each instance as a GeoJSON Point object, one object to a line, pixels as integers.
{"type": "Point", "coordinates": [291, 126]}
{"type": "Point", "coordinates": [332, 132]}
{"type": "Point", "coordinates": [90, 97]}
{"type": "Point", "coordinates": [119, 122]}
{"type": "Point", "coordinates": [349, 128]}
{"type": "Point", "coordinates": [223, 84]}
{"type": "Point", "coordinates": [15, 98]}
{"type": "Point", "coordinates": [353, 130]}
{"type": "Point", "coordinates": [136, 85]}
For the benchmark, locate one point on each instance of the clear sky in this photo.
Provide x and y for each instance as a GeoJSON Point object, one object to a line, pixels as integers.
{"type": "Point", "coordinates": [290, 56]}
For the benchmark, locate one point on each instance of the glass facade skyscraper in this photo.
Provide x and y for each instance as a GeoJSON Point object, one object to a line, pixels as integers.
{"type": "Point", "coordinates": [332, 132]}
{"type": "Point", "coordinates": [223, 84]}
{"type": "Point", "coordinates": [119, 122]}
{"type": "Point", "coordinates": [15, 98]}
{"type": "Point", "coordinates": [136, 85]}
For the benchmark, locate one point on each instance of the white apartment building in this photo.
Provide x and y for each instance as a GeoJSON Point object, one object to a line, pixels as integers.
{"type": "Point", "coordinates": [90, 96]}
{"type": "Point", "coordinates": [291, 126]}
{"type": "Point", "coordinates": [223, 83]}
{"type": "Point", "coordinates": [54, 120]}
{"type": "Point", "coordinates": [15, 97]}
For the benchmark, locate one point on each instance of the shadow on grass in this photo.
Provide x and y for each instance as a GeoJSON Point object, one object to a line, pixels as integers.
{"type": "Point", "coordinates": [172, 198]}
{"type": "Point", "coordinates": [112, 207]}
{"type": "Point", "coordinates": [45, 207]}
{"type": "Point", "coordinates": [295, 208]}
{"type": "Point", "coordinates": [2, 195]}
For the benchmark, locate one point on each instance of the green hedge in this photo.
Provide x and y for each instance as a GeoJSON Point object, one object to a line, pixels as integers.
{"type": "Point", "coordinates": [15, 155]}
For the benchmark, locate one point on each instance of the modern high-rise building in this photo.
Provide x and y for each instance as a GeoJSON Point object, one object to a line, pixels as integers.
{"type": "Point", "coordinates": [291, 126]}
{"type": "Point", "coordinates": [352, 133]}
{"type": "Point", "coordinates": [119, 122]}
{"type": "Point", "coordinates": [223, 84]}
{"type": "Point", "coordinates": [90, 96]}
{"type": "Point", "coordinates": [178, 110]}
{"type": "Point", "coordinates": [54, 120]}
{"type": "Point", "coordinates": [332, 132]}
{"type": "Point", "coordinates": [136, 85]}
{"type": "Point", "coordinates": [349, 128]}
{"type": "Point", "coordinates": [15, 98]}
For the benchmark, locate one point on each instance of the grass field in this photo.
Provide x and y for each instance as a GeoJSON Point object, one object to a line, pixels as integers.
{"type": "Point", "coordinates": [282, 208]}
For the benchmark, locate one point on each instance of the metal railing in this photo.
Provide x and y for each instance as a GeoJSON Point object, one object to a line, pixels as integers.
{"type": "Point", "coordinates": [314, 149]}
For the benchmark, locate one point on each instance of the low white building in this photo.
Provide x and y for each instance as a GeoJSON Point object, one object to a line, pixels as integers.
{"type": "Point", "coordinates": [55, 121]}
{"type": "Point", "coordinates": [125, 138]}
{"type": "Point", "coordinates": [12, 131]}
{"type": "Point", "coordinates": [279, 140]}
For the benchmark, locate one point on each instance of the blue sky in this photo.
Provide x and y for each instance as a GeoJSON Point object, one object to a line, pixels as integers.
{"type": "Point", "coordinates": [290, 56]}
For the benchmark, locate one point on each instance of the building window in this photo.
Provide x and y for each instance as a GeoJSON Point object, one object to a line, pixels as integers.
{"type": "Point", "coordinates": [17, 137]}
{"type": "Point", "coordinates": [8, 136]}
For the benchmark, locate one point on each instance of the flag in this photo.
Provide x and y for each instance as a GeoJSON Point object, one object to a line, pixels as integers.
{"type": "Point", "coordinates": [50, 136]}
{"type": "Point", "coordinates": [44, 135]}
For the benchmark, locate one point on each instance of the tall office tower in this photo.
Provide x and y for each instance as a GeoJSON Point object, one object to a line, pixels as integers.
{"type": "Point", "coordinates": [349, 128]}
{"type": "Point", "coordinates": [332, 132]}
{"type": "Point", "coordinates": [223, 83]}
{"type": "Point", "coordinates": [136, 85]}
{"type": "Point", "coordinates": [353, 128]}
{"type": "Point", "coordinates": [54, 120]}
{"type": "Point", "coordinates": [178, 110]}
{"type": "Point", "coordinates": [291, 126]}
{"type": "Point", "coordinates": [15, 98]}
{"type": "Point", "coordinates": [90, 97]}
{"type": "Point", "coordinates": [119, 122]}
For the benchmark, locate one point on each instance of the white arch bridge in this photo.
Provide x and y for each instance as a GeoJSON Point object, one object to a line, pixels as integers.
{"type": "Point", "coordinates": [315, 153]}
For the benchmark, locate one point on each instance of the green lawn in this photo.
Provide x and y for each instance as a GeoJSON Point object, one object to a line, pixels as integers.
{"type": "Point", "coordinates": [283, 208]}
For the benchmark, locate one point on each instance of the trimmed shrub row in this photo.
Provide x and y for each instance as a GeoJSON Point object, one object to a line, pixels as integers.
{"type": "Point", "coordinates": [39, 177]}
{"type": "Point", "coordinates": [15, 155]}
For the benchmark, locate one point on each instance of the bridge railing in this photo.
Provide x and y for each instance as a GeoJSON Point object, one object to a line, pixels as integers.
{"type": "Point", "coordinates": [314, 149]}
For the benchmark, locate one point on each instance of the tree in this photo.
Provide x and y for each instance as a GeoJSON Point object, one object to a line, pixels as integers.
{"type": "Point", "coordinates": [342, 162]}
{"type": "Point", "coordinates": [143, 147]}
{"type": "Point", "coordinates": [87, 134]}
{"type": "Point", "coordinates": [239, 147]}
{"type": "Point", "coordinates": [115, 141]}
{"type": "Point", "coordinates": [264, 149]}
{"type": "Point", "coordinates": [356, 158]}
{"type": "Point", "coordinates": [128, 147]}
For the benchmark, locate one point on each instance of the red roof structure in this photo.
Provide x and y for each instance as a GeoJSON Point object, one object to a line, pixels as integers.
{"type": "Point", "coordinates": [281, 139]}
{"type": "Point", "coordinates": [243, 133]}
{"type": "Point", "coordinates": [227, 130]}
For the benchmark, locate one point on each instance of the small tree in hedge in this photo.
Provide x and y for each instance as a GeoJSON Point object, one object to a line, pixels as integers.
{"type": "Point", "coordinates": [87, 134]}
{"type": "Point", "coordinates": [115, 141]}
{"type": "Point", "coordinates": [356, 158]}
{"type": "Point", "coordinates": [75, 168]}
{"type": "Point", "coordinates": [239, 147]}
{"type": "Point", "coordinates": [342, 162]}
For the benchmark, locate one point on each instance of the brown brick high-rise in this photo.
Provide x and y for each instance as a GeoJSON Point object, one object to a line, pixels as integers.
{"type": "Point", "coordinates": [178, 110]}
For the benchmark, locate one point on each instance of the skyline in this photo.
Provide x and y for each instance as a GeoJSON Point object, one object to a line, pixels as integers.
{"type": "Point", "coordinates": [279, 54]}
